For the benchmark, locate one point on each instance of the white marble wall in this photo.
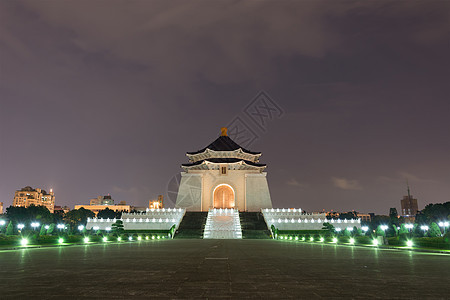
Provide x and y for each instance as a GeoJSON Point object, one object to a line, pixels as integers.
{"type": "Point", "coordinates": [155, 219]}
{"type": "Point", "coordinates": [295, 219]}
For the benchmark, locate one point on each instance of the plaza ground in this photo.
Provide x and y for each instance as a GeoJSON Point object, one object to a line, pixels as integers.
{"type": "Point", "coordinates": [222, 268]}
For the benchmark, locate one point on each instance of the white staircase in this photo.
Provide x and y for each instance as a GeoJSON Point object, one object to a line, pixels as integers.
{"type": "Point", "coordinates": [223, 224]}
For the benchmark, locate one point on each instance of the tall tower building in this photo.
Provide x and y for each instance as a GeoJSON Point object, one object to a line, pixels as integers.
{"type": "Point", "coordinates": [409, 205]}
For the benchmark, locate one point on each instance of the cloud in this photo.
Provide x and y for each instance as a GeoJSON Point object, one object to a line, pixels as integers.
{"type": "Point", "coordinates": [346, 184]}
{"type": "Point", "coordinates": [294, 182]}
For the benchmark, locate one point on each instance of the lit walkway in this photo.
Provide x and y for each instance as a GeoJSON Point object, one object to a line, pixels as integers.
{"type": "Point", "coordinates": [223, 224]}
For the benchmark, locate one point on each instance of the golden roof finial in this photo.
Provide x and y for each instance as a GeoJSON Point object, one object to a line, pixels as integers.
{"type": "Point", "coordinates": [223, 131]}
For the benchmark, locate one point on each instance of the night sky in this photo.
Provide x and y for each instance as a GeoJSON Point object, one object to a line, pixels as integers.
{"type": "Point", "coordinates": [101, 97]}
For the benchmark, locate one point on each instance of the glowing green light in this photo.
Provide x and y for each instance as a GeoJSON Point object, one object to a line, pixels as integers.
{"type": "Point", "coordinates": [139, 238]}
{"type": "Point", "coordinates": [311, 239]}
{"type": "Point", "coordinates": [86, 240]}
{"type": "Point", "coordinates": [352, 240]}
{"type": "Point", "coordinates": [321, 239]}
{"type": "Point", "coordinates": [409, 243]}
{"type": "Point", "coordinates": [119, 239]}
{"type": "Point", "coordinates": [24, 242]}
{"type": "Point", "coordinates": [105, 239]}
{"type": "Point", "coordinates": [375, 242]}
{"type": "Point", "coordinates": [158, 237]}
{"type": "Point", "coordinates": [334, 240]}
{"type": "Point", "coordinates": [153, 237]}
{"type": "Point", "coordinates": [303, 238]}
{"type": "Point", "coordinates": [290, 238]}
{"type": "Point", "coordinates": [61, 240]}
{"type": "Point", "coordinates": [130, 238]}
{"type": "Point", "coordinates": [296, 238]}
{"type": "Point", "coordinates": [146, 237]}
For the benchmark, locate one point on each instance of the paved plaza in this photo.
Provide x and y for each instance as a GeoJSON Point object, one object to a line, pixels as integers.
{"type": "Point", "coordinates": [222, 268]}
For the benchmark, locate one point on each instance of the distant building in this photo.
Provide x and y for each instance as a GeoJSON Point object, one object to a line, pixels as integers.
{"type": "Point", "coordinates": [29, 196]}
{"type": "Point", "coordinates": [102, 200]}
{"type": "Point", "coordinates": [409, 205]}
{"type": "Point", "coordinates": [364, 217]}
{"type": "Point", "coordinates": [63, 209]}
{"type": "Point", "coordinates": [96, 208]}
{"type": "Point", "coordinates": [155, 204]}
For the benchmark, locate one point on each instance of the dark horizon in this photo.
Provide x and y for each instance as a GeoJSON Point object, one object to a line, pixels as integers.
{"type": "Point", "coordinates": [99, 99]}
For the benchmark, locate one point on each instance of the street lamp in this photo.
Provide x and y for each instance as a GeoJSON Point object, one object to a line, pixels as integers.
{"type": "Point", "coordinates": [47, 226]}
{"type": "Point", "coordinates": [20, 226]}
{"type": "Point", "coordinates": [409, 226]}
{"type": "Point", "coordinates": [444, 225]}
{"type": "Point", "coordinates": [80, 227]}
{"type": "Point", "coordinates": [384, 227]}
{"type": "Point", "coordinates": [2, 222]}
{"type": "Point", "coordinates": [338, 229]}
{"type": "Point", "coordinates": [34, 225]}
{"type": "Point", "coordinates": [424, 228]}
{"type": "Point", "coordinates": [60, 226]}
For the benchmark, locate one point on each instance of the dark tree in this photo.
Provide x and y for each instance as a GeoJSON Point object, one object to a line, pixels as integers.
{"type": "Point", "coordinates": [78, 217]}
{"type": "Point", "coordinates": [107, 213]}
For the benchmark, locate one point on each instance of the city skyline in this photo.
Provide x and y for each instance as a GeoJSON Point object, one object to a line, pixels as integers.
{"type": "Point", "coordinates": [110, 102]}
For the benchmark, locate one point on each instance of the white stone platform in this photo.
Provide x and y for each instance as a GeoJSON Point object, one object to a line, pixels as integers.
{"type": "Point", "coordinates": [296, 219]}
{"type": "Point", "coordinates": [152, 219]}
{"type": "Point", "coordinates": [223, 224]}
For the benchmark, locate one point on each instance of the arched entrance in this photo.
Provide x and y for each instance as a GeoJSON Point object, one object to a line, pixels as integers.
{"type": "Point", "coordinates": [223, 196]}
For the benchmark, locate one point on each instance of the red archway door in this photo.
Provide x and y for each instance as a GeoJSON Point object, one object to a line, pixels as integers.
{"type": "Point", "coordinates": [223, 197]}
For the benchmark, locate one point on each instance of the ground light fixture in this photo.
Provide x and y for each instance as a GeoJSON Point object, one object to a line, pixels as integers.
{"type": "Point", "coordinates": [47, 226]}
{"type": "Point", "coordinates": [146, 237]}
{"type": "Point", "coordinates": [139, 238]}
{"type": "Point", "coordinates": [24, 242]}
{"type": "Point", "coordinates": [334, 240]}
{"type": "Point", "coordinates": [352, 240]}
{"type": "Point", "coordinates": [119, 239]}
{"type": "Point", "coordinates": [61, 240]}
{"type": "Point", "coordinates": [2, 222]}
{"type": "Point", "coordinates": [303, 238]}
{"type": "Point", "coordinates": [375, 242]}
{"type": "Point", "coordinates": [290, 238]}
{"type": "Point", "coordinates": [158, 237]}
{"type": "Point", "coordinates": [130, 238]}
{"type": "Point", "coordinates": [296, 238]}
{"type": "Point", "coordinates": [321, 239]}
{"type": "Point", "coordinates": [105, 239]}
{"type": "Point", "coordinates": [86, 240]}
{"type": "Point", "coordinates": [311, 239]}
{"type": "Point", "coordinates": [153, 237]}
{"type": "Point", "coordinates": [409, 243]}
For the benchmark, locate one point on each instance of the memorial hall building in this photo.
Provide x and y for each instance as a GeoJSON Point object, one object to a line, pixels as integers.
{"type": "Point", "coordinates": [223, 175]}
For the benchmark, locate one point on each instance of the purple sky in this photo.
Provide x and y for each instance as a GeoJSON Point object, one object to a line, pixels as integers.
{"type": "Point", "coordinates": [102, 97]}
